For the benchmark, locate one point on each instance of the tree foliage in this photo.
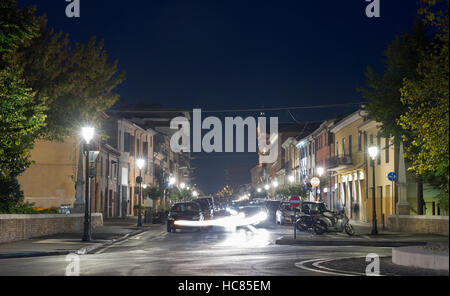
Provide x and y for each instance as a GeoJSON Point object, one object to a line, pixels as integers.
{"type": "Point", "coordinates": [382, 92]}
{"type": "Point", "coordinates": [76, 82]}
{"type": "Point", "coordinates": [16, 25]}
{"type": "Point", "coordinates": [426, 99]}
{"type": "Point", "coordinates": [287, 191]}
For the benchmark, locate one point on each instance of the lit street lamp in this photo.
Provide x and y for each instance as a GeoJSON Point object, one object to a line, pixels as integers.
{"type": "Point", "coordinates": [182, 185]}
{"type": "Point", "coordinates": [140, 163]}
{"type": "Point", "coordinates": [259, 190]}
{"type": "Point", "coordinates": [195, 193]}
{"type": "Point", "coordinates": [320, 172]}
{"type": "Point", "coordinates": [373, 153]}
{"type": "Point", "coordinates": [291, 179]}
{"type": "Point", "coordinates": [267, 187]}
{"type": "Point", "coordinates": [88, 134]}
{"type": "Point", "coordinates": [275, 184]}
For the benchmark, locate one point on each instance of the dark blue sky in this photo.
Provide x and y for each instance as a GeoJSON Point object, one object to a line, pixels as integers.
{"type": "Point", "coordinates": [238, 54]}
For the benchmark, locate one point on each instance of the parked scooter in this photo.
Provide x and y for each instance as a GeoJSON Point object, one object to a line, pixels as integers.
{"type": "Point", "coordinates": [332, 222]}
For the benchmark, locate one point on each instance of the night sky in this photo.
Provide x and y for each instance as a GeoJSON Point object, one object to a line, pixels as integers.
{"type": "Point", "coordinates": [238, 54]}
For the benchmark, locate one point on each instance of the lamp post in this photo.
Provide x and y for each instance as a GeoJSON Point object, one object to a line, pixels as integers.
{"type": "Point", "coordinates": [320, 172]}
{"type": "Point", "coordinates": [88, 134]}
{"type": "Point", "coordinates": [291, 179]}
{"type": "Point", "coordinates": [140, 162]}
{"type": "Point", "coordinates": [373, 152]}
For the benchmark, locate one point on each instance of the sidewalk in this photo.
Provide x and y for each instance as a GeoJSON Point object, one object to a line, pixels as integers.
{"type": "Point", "coordinates": [113, 230]}
{"type": "Point", "coordinates": [362, 237]}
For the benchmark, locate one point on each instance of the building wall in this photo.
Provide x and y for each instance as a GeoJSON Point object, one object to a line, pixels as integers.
{"type": "Point", "coordinates": [50, 181]}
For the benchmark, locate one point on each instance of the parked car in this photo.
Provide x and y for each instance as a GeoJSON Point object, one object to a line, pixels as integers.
{"type": "Point", "coordinates": [187, 211]}
{"type": "Point", "coordinates": [206, 205]}
{"type": "Point", "coordinates": [284, 214]}
{"type": "Point", "coordinates": [272, 206]}
{"type": "Point", "coordinates": [259, 212]}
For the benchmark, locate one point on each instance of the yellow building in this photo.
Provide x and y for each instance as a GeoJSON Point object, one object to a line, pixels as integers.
{"type": "Point", "coordinates": [353, 172]}
{"type": "Point", "coordinates": [50, 181]}
{"type": "Point", "coordinates": [383, 164]}
{"type": "Point", "coordinates": [347, 165]}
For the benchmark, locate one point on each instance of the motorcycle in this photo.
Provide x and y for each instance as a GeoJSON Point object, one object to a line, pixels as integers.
{"type": "Point", "coordinates": [332, 222]}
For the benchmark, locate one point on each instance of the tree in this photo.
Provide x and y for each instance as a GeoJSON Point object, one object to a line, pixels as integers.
{"type": "Point", "coordinates": [425, 98]}
{"type": "Point", "coordinates": [76, 83]}
{"type": "Point", "coordinates": [287, 191]}
{"type": "Point", "coordinates": [21, 119]}
{"type": "Point", "coordinates": [16, 25]}
{"type": "Point", "coordinates": [21, 115]}
{"type": "Point", "coordinates": [382, 93]}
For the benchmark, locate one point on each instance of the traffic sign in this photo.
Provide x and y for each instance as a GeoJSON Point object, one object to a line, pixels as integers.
{"type": "Point", "coordinates": [295, 201]}
{"type": "Point", "coordinates": [315, 182]}
{"type": "Point", "coordinates": [392, 176]}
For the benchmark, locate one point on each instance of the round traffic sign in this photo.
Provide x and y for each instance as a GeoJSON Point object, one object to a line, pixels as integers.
{"type": "Point", "coordinates": [315, 182]}
{"type": "Point", "coordinates": [392, 176]}
{"type": "Point", "coordinates": [295, 201]}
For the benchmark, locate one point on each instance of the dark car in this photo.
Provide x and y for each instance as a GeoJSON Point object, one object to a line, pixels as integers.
{"type": "Point", "coordinates": [272, 206]}
{"type": "Point", "coordinates": [313, 208]}
{"type": "Point", "coordinates": [206, 205]}
{"type": "Point", "coordinates": [284, 214]}
{"type": "Point", "coordinates": [187, 211]}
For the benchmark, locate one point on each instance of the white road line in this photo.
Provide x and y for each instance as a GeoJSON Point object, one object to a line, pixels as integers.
{"type": "Point", "coordinates": [302, 266]}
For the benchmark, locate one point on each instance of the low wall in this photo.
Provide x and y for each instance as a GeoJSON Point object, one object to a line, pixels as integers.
{"type": "Point", "coordinates": [419, 224]}
{"type": "Point", "coordinates": [20, 227]}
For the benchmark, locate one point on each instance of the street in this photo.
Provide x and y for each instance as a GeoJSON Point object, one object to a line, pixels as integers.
{"type": "Point", "coordinates": [247, 252]}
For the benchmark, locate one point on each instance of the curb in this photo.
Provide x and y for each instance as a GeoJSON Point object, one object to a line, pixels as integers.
{"type": "Point", "coordinates": [417, 257]}
{"type": "Point", "coordinates": [82, 251]}
{"type": "Point", "coordinates": [350, 243]}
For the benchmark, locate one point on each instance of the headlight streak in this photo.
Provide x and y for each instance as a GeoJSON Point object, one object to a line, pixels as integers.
{"type": "Point", "coordinates": [228, 222]}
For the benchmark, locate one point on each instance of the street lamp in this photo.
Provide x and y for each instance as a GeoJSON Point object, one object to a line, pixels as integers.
{"type": "Point", "coordinates": [195, 193]}
{"type": "Point", "coordinates": [259, 190]}
{"type": "Point", "coordinates": [267, 187]}
{"type": "Point", "coordinates": [140, 162]}
{"type": "Point", "coordinates": [88, 134]}
{"type": "Point", "coordinates": [320, 171]}
{"type": "Point", "coordinates": [373, 153]}
{"type": "Point", "coordinates": [182, 185]}
{"type": "Point", "coordinates": [275, 184]}
{"type": "Point", "coordinates": [172, 180]}
{"type": "Point", "coordinates": [291, 179]}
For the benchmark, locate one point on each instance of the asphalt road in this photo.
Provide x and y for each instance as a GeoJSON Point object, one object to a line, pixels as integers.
{"type": "Point", "coordinates": [247, 252]}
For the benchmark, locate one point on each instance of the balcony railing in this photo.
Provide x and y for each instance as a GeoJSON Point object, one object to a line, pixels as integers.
{"type": "Point", "coordinates": [334, 162]}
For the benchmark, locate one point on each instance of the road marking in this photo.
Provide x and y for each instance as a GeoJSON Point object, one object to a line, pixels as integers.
{"type": "Point", "coordinates": [301, 265]}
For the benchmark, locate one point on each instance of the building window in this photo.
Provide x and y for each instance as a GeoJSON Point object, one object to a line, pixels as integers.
{"type": "Point", "coordinates": [126, 142]}
{"type": "Point", "coordinates": [343, 147]}
{"type": "Point", "coordinates": [360, 142]}
{"type": "Point", "coordinates": [138, 147]}
{"type": "Point", "coordinates": [350, 140]}
{"type": "Point", "coordinates": [387, 150]}
{"type": "Point", "coordinates": [379, 148]}
{"type": "Point", "coordinates": [337, 149]}
{"type": "Point", "coordinates": [132, 145]}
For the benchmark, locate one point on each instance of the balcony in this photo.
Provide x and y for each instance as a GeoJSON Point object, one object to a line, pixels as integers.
{"type": "Point", "coordinates": [338, 163]}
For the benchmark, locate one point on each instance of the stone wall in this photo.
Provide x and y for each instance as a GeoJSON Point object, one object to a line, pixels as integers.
{"type": "Point", "coordinates": [20, 227]}
{"type": "Point", "coordinates": [419, 224]}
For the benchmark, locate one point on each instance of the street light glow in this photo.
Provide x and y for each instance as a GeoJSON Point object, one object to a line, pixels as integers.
{"type": "Point", "coordinates": [267, 187]}
{"type": "Point", "coordinates": [172, 180]}
{"type": "Point", "coordinates": [144, 186]}
{"type": "Point", "coordinates": [183, 185]}
{"type": "Point", "coordinates": [140, 162]}
{"type": "Point", "coordinates": [87, 133]}
{"type": "Point", "coordinates": [275, 184]}
{"type": "Point", "coordinates": [373, 152]}
{"type": "Point", "coordinates": [320, 171]}
{"type": "Point", "coordinates": [259, 190]}
{"type": "Point", "coordinates": [291, 179]}
{"type": "Point", "coordinates": [195, 193]}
